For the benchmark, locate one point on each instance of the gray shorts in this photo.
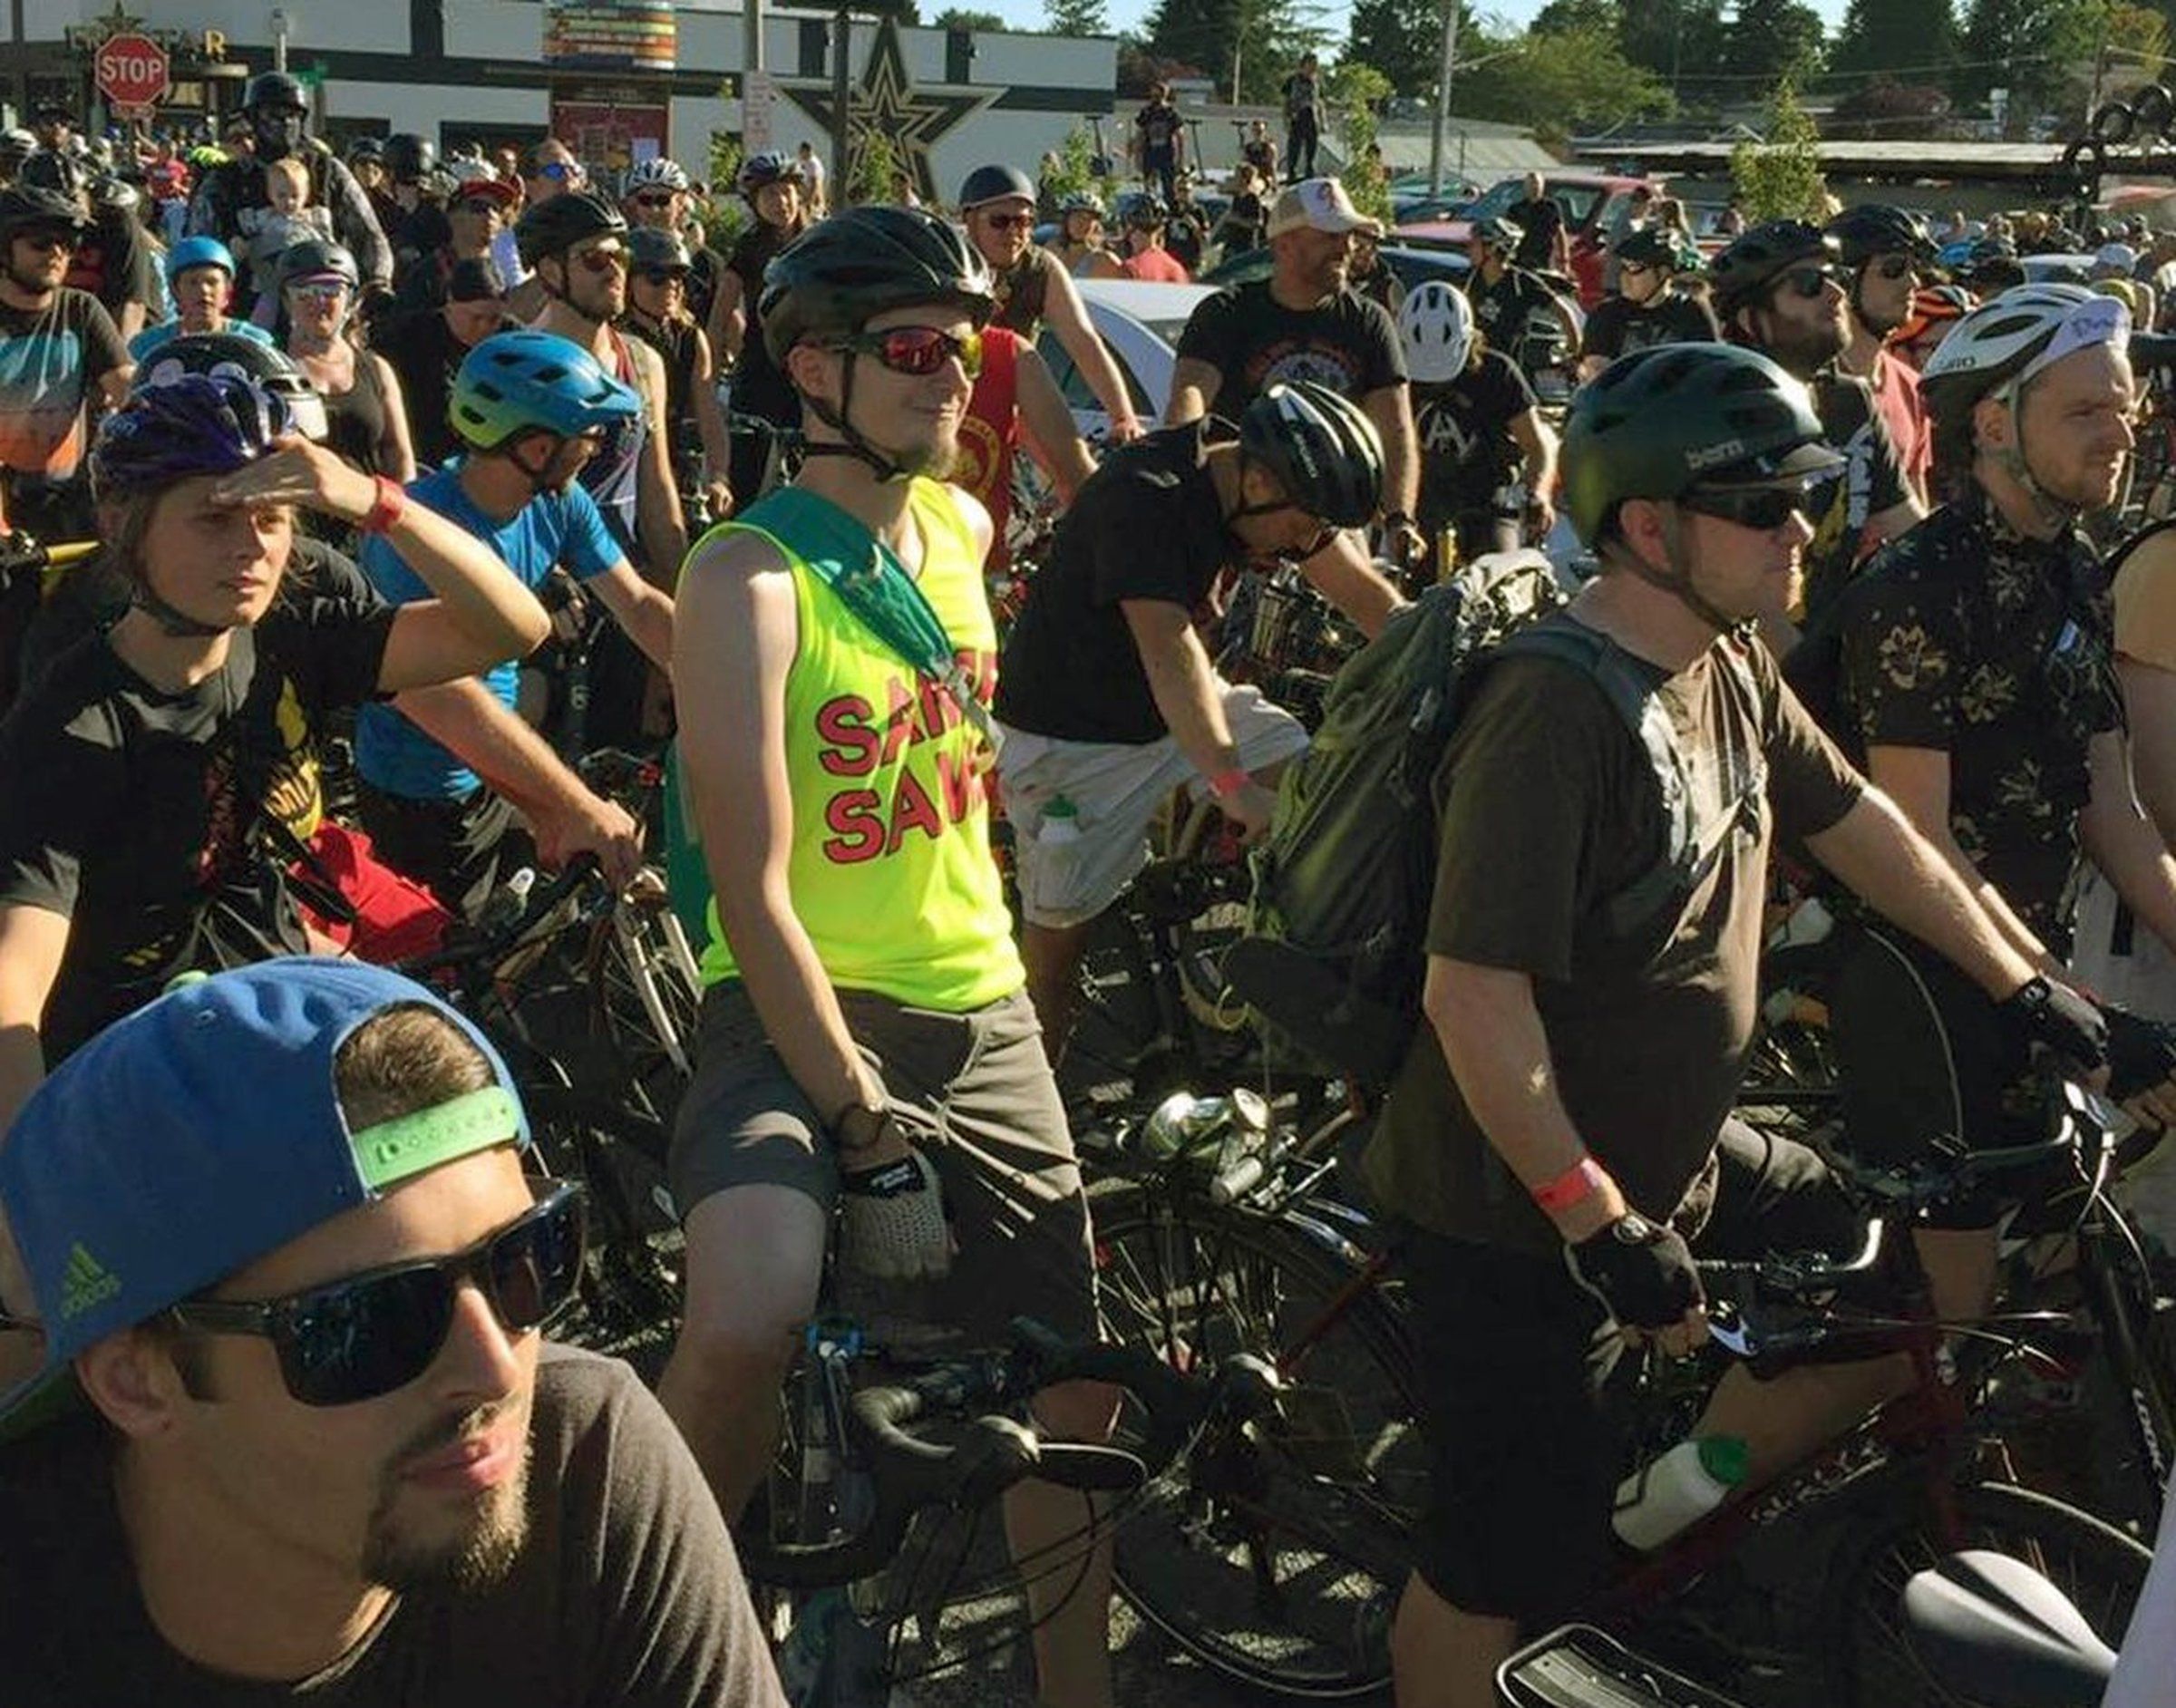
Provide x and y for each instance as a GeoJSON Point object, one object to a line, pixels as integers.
{"type": "Point", "coordinates": [1115, 789]}
{"type": "Point", "coordinates": [975, 1094]}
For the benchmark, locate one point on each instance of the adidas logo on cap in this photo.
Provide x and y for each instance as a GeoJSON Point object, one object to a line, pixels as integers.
{"type": "Point", "coordinates": [87, 1285]}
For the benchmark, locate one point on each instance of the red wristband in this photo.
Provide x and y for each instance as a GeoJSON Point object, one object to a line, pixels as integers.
{"type": "Point", "coordinates": [1226, 783]}
{"type": "Point", "coordinates": [391, 503]}
{"type": "Point", "coordinates": [1582, 1179]}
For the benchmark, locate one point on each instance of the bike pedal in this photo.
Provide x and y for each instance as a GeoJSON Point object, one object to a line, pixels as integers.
{"type": "Point", "coordinates": [1313, 1427]}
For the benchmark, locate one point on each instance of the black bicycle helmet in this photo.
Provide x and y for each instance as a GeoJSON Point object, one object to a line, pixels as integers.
{"type": "Point", "coordinates": [835, 276]}
{"type": "Point", "coordinates": [409, 158]}
{"type": "Point", "coordinates": [226, 355]}
{"type": "Point", "coordinates": [52, 170]}
{"type": "Point", "coordinates": [366, 147]}
{"type": "Point", "coordinates": [317, 258]}
{"type": "Point", "coordinates": [1656, 422]}
{"type": "Point", "coordinates": [994, 183]}
{"type": "Point", "coordinates": [1742, 272]}
{"type": "Point", "coordinates": [759, 171]}
{"type": "Point", "coordinates": [1875, 229]}
{"type": "Point", "coordinates": [1144, 211]}
{"type": "Point", "coordinates": [1321, 447]}
{"type": "Point", "coordinates": [1647, 247]}
{"type": "Point", "coordinates": [649, 249]}
{"type": "Point", "coordinates": [1498, 233]}
{"type": "Point", "coordinates": [550, 229]}
{"type": "Point", "coordinates": [274, 92]}
{"type": "Point", "coordinates": [25, 206]}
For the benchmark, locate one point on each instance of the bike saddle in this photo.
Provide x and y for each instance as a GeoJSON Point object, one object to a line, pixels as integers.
{"type": "Point", "coordinates": [1994, 1629]}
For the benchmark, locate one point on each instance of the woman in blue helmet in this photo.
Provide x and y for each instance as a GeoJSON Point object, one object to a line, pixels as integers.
{"type": "Point", "coordinates": [154, 780]}
{"type": "Point", "coordinates": [453, 784]}
{"type": "Point", "coordinates": [199, 276]}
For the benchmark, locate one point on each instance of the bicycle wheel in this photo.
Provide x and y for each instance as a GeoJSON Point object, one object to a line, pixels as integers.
{"type": "Point", "coordinates": [1274, 1553]}
{"type": "Point", "coordinates": [1869, 1654]}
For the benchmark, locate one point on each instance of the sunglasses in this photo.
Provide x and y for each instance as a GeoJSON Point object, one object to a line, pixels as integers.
{"type": "Point", "coordinates": [663, 198]}
{"type": "Point", "coordinates": [559, 171]}
{"type": "Point", "coordinates": [1763, 509]}
{"type": "Point", "coordinates": [918, 351]}
{"type": "Point", "coordinates": [1633, 270]}
{"type": "Point", "coordinates": [1808, 281]}
{"type": "Point", "coordinates": [371, 1334]}
{"type": "Point", "coordinates": [603, 258]}
{"type": "Point", "coordinates": [1009, 221]}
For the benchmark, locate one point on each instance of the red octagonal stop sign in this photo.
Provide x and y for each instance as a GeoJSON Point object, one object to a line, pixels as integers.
{"type": "Point", "coordinates": [132, 71]}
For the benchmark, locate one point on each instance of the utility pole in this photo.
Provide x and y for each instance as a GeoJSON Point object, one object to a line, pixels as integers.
{"type": "Point", "coordinates": [2099, 65]}
{"type": "Point", "coordinates": [842, 41]}
{"type": "Point", "coordinates": [1443, 98]}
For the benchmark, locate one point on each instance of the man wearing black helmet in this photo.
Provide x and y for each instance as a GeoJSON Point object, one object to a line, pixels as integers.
{"type": "Point", "coordinates": [277, 108]}
{"type": "Point", "coordinates": [1647, 308]}
{"type": "Point", "coordinates": [662, 314]}
{"type": "Point", "coordinates": [864, 1035]}
{"type": "Point", "coordinates": [763, 401]}
{"type": "Point", "coordinates": [997, 206]}
{"type": "Point", "coordinates": [1512, 305]}
{"type": "Point", "coordinates": [112, 258]}
{"type": "Point", "coordinates": [1776, 291]}
{"type": "Point", "coordinates": [1147, 537]}
{"type": "Point", "coordinates": [1885, 253]}
{"type": "Point", "coordinates": [1561, 1128]}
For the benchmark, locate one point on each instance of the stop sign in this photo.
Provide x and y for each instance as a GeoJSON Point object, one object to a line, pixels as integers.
{"type": "Point", "coordinates": [132, 71]}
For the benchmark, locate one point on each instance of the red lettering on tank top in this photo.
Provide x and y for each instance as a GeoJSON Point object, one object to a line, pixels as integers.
{"type": "Point", "coordinates": [960, 781]}
{"type": "Point", "coordinates": [848, 738]}
{"type": "Point", "coordinates": [856, 821]}
{"type": "Point", "coordinates": [939, 712]}
{"type": "Point", "coordinates": [899, 719]}
{"type": "Point", "coordinates": [912, 810]}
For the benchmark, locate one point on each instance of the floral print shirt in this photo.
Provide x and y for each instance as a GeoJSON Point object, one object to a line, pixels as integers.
{"type": "Point", "coordinates": [1965, 636]}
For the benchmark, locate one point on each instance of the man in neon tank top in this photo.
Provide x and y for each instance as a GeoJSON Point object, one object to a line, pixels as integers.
{"type": "Point", "coordinates": [866, 1033]}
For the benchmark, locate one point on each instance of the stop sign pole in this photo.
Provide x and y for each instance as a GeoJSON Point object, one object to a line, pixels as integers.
{"type": "Point", "coordinates": [132, 73]}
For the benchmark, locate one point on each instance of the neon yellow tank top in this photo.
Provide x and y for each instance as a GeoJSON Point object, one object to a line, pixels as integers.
{"type": "Point", "coordinates": [890, 870]}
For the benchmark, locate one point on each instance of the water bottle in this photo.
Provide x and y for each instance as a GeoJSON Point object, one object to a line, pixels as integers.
{"type": "Point", "coordinates": [1686, 1484]}
{"type": "Point", "coordinates": [1061, 823]}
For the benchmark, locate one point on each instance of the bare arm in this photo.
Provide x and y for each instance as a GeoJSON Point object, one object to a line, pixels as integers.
{"type": "Point", "coordinates": [1390, 407]}
{"type": "Point", "coordinates": [2150, 697]}
{"type": "Point", "coordinates": [1193, 383]}
{"type": "Point", "coordinates": [1047, 425]}
{"type": "Point", "coordinates": [659, 521]}
{"type": "Point", "coordinates": [1490, 1032]}
{"type": "Point", "coordinates": [397, 451]}
{"type": "Point", "coordinates": [733, 643]}
{"type": "Point", "coordinates": [33, 941]}
{"type": "Point", "coordinates": [710, 420]}
{"type": "Point", "coordinates": [1538, 444]}
{"type": "Point", "coordinates": [1346, 576]}
{"type": "Point", "coordinates": [1062, 307]}
{"type": "Point", "coordinates": [2125, 844]}
{"type": "Point", "coordinates": [1916, 779]}
{"type": "Point", "coordinates": [1882, 858]}
{"type": "Point", "coordinates": [728, 325]}
{"type": "Point", "coordinates": [645, 612]}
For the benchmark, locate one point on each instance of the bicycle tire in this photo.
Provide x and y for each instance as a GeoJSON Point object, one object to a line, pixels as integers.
{"type": "Point", "coordinates": [1869, 1657]}
{"type": "Point", "coordinates": [1275, 1559]}
{"type": "Point", "coordinates": [630, 1299]}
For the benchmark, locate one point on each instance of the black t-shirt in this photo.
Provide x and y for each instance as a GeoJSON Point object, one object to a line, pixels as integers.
{"type": "Point", "coordinates": [50, 359]}
{"type": "Point", "coordinates": [760, 386]}
{"type": "Point", "coordinates": [1146, 525]}
{"type": "Point", "coordinates": [1965, 638]}
{"type": "Point", "coordinates": [1260, 155]}
{"type": "Point", "coordinates": [1348, 344]}
{"type": "Point", "coordinates": [1517, 316]}
{"type": "Point", "coordinates": [1465, 429]}
{"type": "Point", "coordinates": [627, 1591]}
{"type": "Point", "coordinates": [1872, 480]}
{"type": "Point", "coordinates": [1539, 219]}
{"type": "Point", "coordinates": [1549, 809]}
{"type": "Point", "coordinates": [1158, 123]}
{"type": "Point", "coordinates": [139, 816]}
{"type": "Point", "coordinates": [676, 347]}
{"type": "Point", "coordinates": [113, 260]}
{"type": "Point", "coordinates": [706, 267]}
{"type": "Point", "coordinates": [426, 356]}
{"type": "Point", "coordinates": [1619, 326]}
{"type": "Point", "coordinates": [1185, 234]}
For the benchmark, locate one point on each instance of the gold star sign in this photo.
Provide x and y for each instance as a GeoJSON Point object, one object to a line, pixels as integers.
{"type": "Point", "coordinates": [886, 104]}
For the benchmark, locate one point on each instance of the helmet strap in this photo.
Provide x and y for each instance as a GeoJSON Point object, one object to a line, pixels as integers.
{"type": "Point", "coordinates": [2014, 461]}
{"type": "Point", "coordinates": [856, 445]}
{"type": "Point", "coordinates": [171, 620]}
{"type": "Point", "coordinates": [1676, 579]}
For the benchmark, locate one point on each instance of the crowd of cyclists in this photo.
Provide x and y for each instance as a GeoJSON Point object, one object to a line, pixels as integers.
{"type": "Point", "coordinates": [353, 438]}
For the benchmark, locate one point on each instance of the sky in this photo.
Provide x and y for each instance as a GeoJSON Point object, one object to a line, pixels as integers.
{"type": "Point", "coordinates": [1128, 14]}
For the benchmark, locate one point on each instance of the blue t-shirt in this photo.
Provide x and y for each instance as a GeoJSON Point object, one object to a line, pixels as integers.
{"type": "Point", "coordinates": [152, 338]}
{"type": "Point", "coordinates": [565, 529]}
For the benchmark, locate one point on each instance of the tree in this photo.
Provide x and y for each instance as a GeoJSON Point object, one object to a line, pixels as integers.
{"type": "Point", "coordinates": [1198, 33]}
{"type": "Point", "coordinates": [1075, 17]}
{"type": "Point", "coordinates": [2029, 47]}
{"type": "Point", "coordinates": [1780, 179]}
{"type": "Point", "coordinates": [1562, 82]}
{"type": "Point", "coordinates": [960, 18]}
{"type": "Point", "coordinates": [1907, 42]}
{"type": "Point", "coordinates": [1565, 17]}
{"type": "Point", "coordinates": [1679, 40]}
{"type": "Point", "coordinates": [1355, 91]}
{"type": "Point", "coordinates": [1886, 111]}
{"type": "Point", "coordinates": [1772, 42]}
{"type": "Point", "coordinates": [1404, 40]}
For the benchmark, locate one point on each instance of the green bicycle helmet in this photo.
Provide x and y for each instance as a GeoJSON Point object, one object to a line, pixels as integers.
{"type": "Point", "coordinates": [1654, 423]}
{"type": "Point", "coordinates": [837, 275]}
{"type": "Point", "coordinates": [523, 382]}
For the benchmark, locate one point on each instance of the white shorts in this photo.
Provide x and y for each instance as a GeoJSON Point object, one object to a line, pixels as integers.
{"type": "Point", "coordinates": [1115, 789]}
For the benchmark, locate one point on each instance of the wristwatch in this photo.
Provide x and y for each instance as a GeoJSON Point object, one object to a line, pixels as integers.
{"type": "Point", "coordinates": [859, 1126]}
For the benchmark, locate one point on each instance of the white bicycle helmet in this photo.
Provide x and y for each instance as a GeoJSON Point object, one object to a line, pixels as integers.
{"type": "Point", "coordinates": [1435, 325]}
{"type": "Point", "coordinates": [2011, 337]}
{"type": "Point", "coordinates": [2115, 260]}
{"type": "Point", "coordinates": [657, 173]}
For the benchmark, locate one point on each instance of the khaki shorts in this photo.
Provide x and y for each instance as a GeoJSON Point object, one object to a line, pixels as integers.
{"type": "Point", "coordinates": [1115, 789]}
{"type": "Point", "coordinates": [974, 1091]}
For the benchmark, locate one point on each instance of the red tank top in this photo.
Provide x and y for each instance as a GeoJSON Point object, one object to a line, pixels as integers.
{"type": "Point", "coordinates": [990, 434]}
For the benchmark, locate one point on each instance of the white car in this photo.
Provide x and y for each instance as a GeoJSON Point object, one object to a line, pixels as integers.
{"type": "Point", "coordinates": [1140, 324]}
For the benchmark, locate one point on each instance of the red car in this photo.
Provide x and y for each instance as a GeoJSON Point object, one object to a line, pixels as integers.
{"type": "Point", "coordinates": [1596, 206]}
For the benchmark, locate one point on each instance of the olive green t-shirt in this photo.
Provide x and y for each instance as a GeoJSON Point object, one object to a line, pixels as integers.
{"type": "Point", "coordinates": [1549, 808]}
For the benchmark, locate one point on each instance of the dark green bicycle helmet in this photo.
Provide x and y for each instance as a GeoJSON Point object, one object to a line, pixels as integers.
{"type": "Point", "coordinates": [1654, 423]}
{"type": "Point", "coordinates": [1321, 447]}
{"type": "Point", "coordinates": [1647, 247]}
{"type": "Point", "coordinates": [833, 278]}
{"type": "Point", "coordinates": [1744, 271]}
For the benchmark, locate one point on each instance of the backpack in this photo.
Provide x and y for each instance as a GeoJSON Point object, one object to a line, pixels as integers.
{"type": "Point", "coordinates": [1343, 880]}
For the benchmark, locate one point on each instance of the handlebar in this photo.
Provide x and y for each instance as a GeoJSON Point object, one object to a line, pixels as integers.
{"type": "Point", "coordinates": [22, 555]}
{"type": "Point", "coordinates": [491, 942]}
{"type": "Point", "coordinates": [993, 1451]}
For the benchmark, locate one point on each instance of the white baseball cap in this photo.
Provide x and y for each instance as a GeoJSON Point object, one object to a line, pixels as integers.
{"type": "Point", "coordinates": [1320, 204]}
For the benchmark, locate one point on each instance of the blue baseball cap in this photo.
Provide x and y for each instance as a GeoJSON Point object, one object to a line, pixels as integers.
{"type": "Point", "coordinates": [203, 1131]}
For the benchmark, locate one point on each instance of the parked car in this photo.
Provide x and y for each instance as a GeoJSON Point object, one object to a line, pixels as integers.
{"type": "Point", "coordinates": [1596, 206]}
{"type": "Point", "coordinates": [1140, 324]}
{"type": "Point", "coordinates": [1410, 265]}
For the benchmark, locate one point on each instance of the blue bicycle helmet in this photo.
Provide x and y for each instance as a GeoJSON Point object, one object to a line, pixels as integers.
{"type": "Point", "coordinates": [199, 424]}
{"type": "Point", "coordinates": [529, 382]}
{"type": "Point", "coordinates": [197, 252]}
